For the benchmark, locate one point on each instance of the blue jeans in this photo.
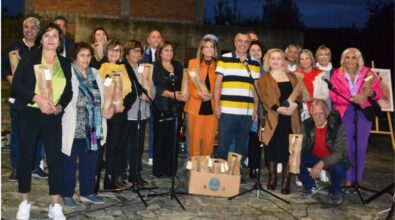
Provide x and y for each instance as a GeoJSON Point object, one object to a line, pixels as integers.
{"type": "Point", "coordinates": [337, 172]}
{"type": "Point", "coordinates": [233, 128]}
{"type": "Point", "coordinates": [14, 145]}
{"type": "Point", "coordinates": [86, 169]}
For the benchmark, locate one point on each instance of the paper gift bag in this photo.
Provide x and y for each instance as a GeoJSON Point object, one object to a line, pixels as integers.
{"type": "Point", "coordinates": [98, 49]}
{"type": "Point", "coordinates": [300, 89]}
{"type": "Point", "coordinates": [295, 148]}
{"type": "Point", "coordinates": [220, 166]}
{"type": "Point", "coordinates": [118, 93]}
{"type": "Point", "coordinates": [108, 92]}
{"type": "Point", "coordinates": [197, 81]}
{"type": "Point", "coordinates": [367, 85]}
{"type": "Point", "coordinates": [14, 60]}
{"type": "Point", "coordinates": [184, 86]}
{"type": "Point", "coordinates": [200, 164]}
{"type": "Point", "coordinates": [44, 76]}
{"type": "Point", "coordinates": [146, 71]}
{"type": "Point", "coordinates": [234, 163]}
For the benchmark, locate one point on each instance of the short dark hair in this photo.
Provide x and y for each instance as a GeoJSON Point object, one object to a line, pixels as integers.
{"type": "Point", "coordinates": [92, 37]}
{"type": "Point", "coordinates": [61, 18]}
{"type": "Point", "coordinates": [78, 47]}
{"type": "Point", "coordinates": [47, 28]}
{"type": "Point", "coordinates": [160, 48]}
{"type": "Point", "coordinates": [257, 42]}
{"type": "Point", "coordinates": [132, 44]}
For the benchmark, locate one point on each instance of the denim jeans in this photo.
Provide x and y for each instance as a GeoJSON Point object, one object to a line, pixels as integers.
{"type": "Point", "coordinates": [233, 127]}
{"type": "Point", "coordinates": [337, 172]}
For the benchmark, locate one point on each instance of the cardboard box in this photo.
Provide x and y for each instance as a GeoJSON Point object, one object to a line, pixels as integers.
{"type": "Point", "coordinates": [211, 184]}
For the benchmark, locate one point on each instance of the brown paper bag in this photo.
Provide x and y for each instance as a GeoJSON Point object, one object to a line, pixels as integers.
{"type": "Point", "coordinates": [184, 86]}
{"type": "Point", "coordinates": [220, 166]}
{"type": "Point", "coordinates": [44, 76]}
{"type": "Point", "coordinates": [199, 164]}
{"type": "Point", "coordinates": [234, 163]}
{"type": "Point", "coordinates": [295, 148]}
{"type": "Point", "coordinates": [98, 50]}
{"type": "Point", "coordinates": [197, 81]}
{"type": "Point", "coordinates": [14, 60]}
{"type": "Point", "coordinates": [118, 93]}
{"type": "Point", "coordinates": [367, 85]}
{"type": "Point", "coordinates": [146, 71]}
{"type": "Point", "coordinates": [108, 92]}
{"type": "Point", "coordinates": [299, 89]}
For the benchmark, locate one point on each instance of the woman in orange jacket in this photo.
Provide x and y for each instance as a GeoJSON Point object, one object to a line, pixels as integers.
{"type": "Point", "coordinates": [202, 123]}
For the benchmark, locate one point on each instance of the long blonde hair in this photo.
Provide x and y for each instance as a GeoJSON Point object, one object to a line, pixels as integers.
{"type": "Point", "coordinates": [357, 53]}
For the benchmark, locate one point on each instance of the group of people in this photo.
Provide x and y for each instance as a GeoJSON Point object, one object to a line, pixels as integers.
{"type": "Point", "coordinates": [74, 123]}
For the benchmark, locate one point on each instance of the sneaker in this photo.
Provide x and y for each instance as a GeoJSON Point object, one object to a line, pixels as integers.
{"type": "Point", "coordinates": [150, 162]}
{"type": "Point", "coordinates": [323, 177]}
{"type": "Point", "coordinates": [69, 202]}
{"type": "Point", "coordinates": [298, 182]}
{"type": "Point", "coordinates": [23, 211]}
{"type": "Point", "coordinates": [13, 176]}
{"type": "Point", "coordinates": [332, 200]}
{"type": "Point", "coordinates": [40, 174]}
{"type": "Point", "coordinates": [92, 199]}
{"type": "Point", "coordinates": [55, 212]}
{"type": "Point", "coordinates": [308, 193]}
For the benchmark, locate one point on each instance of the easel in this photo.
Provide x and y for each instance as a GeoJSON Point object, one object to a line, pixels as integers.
{"type": "Point", "coordinates": [377, 127]}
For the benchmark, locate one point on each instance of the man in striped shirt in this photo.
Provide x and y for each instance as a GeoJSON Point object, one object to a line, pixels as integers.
{"type": "Point", "coordinates": [235, 101]}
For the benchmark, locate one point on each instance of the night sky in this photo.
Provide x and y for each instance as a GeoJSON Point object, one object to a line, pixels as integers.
{"type": "Point", "coordinates": [315, 13]}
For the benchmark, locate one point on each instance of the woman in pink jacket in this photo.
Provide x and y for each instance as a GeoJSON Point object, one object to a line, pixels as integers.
{"type": "Point", "coordinates": [349, 80]}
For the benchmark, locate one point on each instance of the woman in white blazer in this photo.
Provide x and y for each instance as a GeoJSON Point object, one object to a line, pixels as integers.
{"type": "Point", "coordinates": [84, 128]}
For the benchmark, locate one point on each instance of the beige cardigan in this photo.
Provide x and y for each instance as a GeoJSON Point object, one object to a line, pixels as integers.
{"type": "Point", "coordinates": [270, 94]}
{"type": "Point", "coordinates": [70, 115]}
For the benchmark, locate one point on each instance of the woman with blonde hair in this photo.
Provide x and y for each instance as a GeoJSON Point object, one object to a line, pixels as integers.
{"type": "Point", "coordinates": [349, 80]}
{"type": "Point", "coordinates": [117, 136]}
{"type": "Point", "coordinates": [202, 122]}
{"type": "Point", "coordinates": [275, 86]}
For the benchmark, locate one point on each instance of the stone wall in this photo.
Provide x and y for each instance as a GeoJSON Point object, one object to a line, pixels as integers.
{"type": "Point", "coordinates": [185, 36]}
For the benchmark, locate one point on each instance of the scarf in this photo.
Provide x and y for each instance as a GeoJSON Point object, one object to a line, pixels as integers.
{"type": "Point", "coordinates": [94, 126]}
{"type": "Point", "coordinates": [324, 68]}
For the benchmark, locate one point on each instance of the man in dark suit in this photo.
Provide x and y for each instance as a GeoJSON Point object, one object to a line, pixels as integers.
{"type": "Point", "coordinates": [68, 44]}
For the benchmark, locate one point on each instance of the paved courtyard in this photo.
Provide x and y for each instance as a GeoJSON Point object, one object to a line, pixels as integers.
{"type": "Point", "coordinates": [379, 173]}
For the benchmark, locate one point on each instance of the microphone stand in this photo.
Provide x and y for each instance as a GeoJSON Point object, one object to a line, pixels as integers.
{"type": "Point", "coordinates": [172, 192]}
{"type": "Point", "coordinates": [356, 109]}
{"type": "Point", "coordinates": [258, 184]}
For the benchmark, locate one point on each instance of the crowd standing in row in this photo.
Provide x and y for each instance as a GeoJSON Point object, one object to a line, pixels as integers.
{"type": "Point", "coordinates": [74, 121]}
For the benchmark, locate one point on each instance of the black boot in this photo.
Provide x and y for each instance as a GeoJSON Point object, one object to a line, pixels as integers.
{"type": "Point", "coordinates": [285, 183]}
{"type": "Point", "coordinates": [272, 171]}
{"type": "Point", "coordinates": [109, 183]}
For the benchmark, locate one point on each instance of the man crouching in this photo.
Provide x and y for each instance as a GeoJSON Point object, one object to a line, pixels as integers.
{"type": "Point", "coordinates": [324, 147]}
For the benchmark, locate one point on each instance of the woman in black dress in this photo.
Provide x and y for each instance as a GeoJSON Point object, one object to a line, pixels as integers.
{"type": "Point", "coordinates": [275, 86]}
{"type": "Point", "coordinates": [167, 79]}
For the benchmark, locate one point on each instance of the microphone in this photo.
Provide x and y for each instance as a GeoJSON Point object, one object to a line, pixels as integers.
{"type": "Point", "coordinates": [245, 63]}
{"type": "Point", "coordinates": [330, 86]}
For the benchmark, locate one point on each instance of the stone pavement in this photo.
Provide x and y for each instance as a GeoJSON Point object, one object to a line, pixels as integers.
{"type": "Point", "coordinates": [379, 173]}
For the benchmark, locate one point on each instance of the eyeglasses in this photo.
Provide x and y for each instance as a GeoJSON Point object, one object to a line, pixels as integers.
{"type": "Point", "coordinates": [324, 55]}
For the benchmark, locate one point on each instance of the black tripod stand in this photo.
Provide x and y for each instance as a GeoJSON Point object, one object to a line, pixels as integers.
{"type": "Point", "coordinates": [258, 185]}
{"type": "Point", "coordinates": [356, 109]}
{"type": "Point", "coordinates": [172, 192]}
